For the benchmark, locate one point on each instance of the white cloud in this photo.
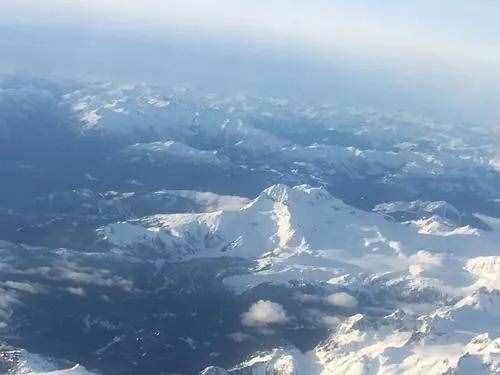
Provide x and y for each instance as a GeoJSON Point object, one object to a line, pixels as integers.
{"type": "Point", "coordinates": [63, 270]}
{"type": "Point", "coordinates": [264, 313]}
{"type": "Point", "coordinates": [343, 300]}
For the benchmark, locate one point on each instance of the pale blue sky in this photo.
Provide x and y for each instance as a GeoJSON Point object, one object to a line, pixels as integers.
{"type": "Point", "coordinates": [444, 49]}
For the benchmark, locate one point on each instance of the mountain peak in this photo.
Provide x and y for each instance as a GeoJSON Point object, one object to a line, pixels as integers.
{"type": "Point", "coordinates": [285, 194]}
{"type": "Point", "coordinates": [278, 193]}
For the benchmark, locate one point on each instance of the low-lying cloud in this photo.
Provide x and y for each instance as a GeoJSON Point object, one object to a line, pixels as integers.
{"type": "Point", "coordinates": [264, 313]}
{"type": "Point", "coordinates": [343, 300]}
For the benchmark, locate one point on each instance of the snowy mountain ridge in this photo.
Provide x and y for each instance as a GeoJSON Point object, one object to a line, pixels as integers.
{"type": "Point", "coordinates": [289, 223]}
{"type": "Point", "coordinates": [303, 233]}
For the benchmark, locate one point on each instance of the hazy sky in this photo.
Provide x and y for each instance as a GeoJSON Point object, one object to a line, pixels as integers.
{"type": "Point", "coordinates": [432, 55]}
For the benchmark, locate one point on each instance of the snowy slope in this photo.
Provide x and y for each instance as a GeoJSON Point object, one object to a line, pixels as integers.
{"type": "Point", "coordinates": [462, 339]}
{"type": "Point", "coordinates": [26, 363]}
{"type": "Point", "coordinates": [303, 233]}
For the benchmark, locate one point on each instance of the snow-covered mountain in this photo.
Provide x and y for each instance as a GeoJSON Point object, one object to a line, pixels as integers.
{"type": "Point", "coordinates": [158, 230]}
{"type": "Point", "coordinates": [25, 363]}
{"type": "Point", "coordinates": [296, 142]}
{"type": "Point", "coordinates": [302, 233]}
{"type": "Point", "coordinates": [446, 341]}
{"type": "Point", "coordinates": [441, 285]}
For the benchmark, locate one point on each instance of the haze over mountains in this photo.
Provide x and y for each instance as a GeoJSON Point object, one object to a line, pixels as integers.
{"type": "Point", "coordinates": [254, 187]}
{"type": "Point", "coordinates": [149, 229]}
{"type": "Point", "coordinates": [442, 59]}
